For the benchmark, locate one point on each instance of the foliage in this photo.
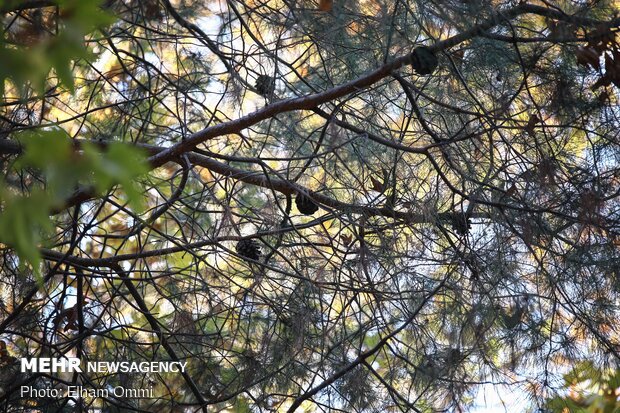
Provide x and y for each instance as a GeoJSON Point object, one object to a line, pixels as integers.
{"type": "Point", "coordinates": [25, 221]}
{"type": "Point", "coordinates": [42, 40]}
{"type": "Point", "coordinates": [355, 206]}
{"type": "Point", "coordinates": [591, 390]}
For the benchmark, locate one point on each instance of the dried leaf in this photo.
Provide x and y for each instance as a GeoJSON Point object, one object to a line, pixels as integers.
{"type": "Point", "coordinates": [346, 239]}
{"type": "Point", "coordinates": [612, 66]}
{"type": "Point", "coordinates": [5, 357]}
{"type": "Point", "coordinates": [531, 124]}
{"type": "Point", "coordinates": [560, 29]}
{"type": "Point", "coordinates": [458, 56]}
{"type": "Point", "coordinates": [547, 170]}
{"type": "Point", "coordinates": [68, 315]}
{"type": "Point", "coordinates": [512, 190]}
{"type": "Point", "coordinates": [605, 80]}
{"type": "Point", "coordinates": [587, 56]}
{"type": "Point", "coordinates": [601, 38]}
{"type": "Point", "coordinates": [326, 5]}
{"type": "Point", "coordinates": [590, 205]}
{"type": "Point", "coordinates": [377, 185]}
{"type": "Point", "coordinates": [603, 97]}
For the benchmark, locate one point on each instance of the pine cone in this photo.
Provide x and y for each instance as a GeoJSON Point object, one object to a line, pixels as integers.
{"type": "Point", "coordinates": [265, 85]}
{"type": "Point", "coordinates": [423, 60]}
{"type": "Point", "coordinates": [461, 223]}
{"type": "Point", "coordinates": [248, 248]}
{"type": "Point", "coordinates": [305, 205]}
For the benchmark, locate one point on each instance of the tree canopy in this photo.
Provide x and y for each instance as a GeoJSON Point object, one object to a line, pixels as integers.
{"type": "Point", "coordinates": [320, 206]}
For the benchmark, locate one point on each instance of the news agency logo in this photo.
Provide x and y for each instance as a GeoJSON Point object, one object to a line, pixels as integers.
{"type": "Point", "coordinates": [51, 365]}
{"type": "Point", "coordinates": [73, 365]}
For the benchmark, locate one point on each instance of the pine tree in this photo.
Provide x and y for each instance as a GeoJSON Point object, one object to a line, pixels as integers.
{"type": "Point", "coordinates": [454, 168]}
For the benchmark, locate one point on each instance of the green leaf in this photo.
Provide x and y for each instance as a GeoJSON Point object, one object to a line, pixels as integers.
{"type": "Point", "coordinates": [84, 15]}
{"type": "Point", "coordinates": [23, 222]}
{"type": "Point", "coordinates": [30, 66]}
{"type": "Point", "coordinates": [123, 164]}
{"type": "Point", "coordinates": [25, 219]}
{"type": "Point", "coordinates": [120, 164]}
{"type": "Point", "coordinates": [582, 372]}
{"type": "Point", "coordinates": [51, 152]}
